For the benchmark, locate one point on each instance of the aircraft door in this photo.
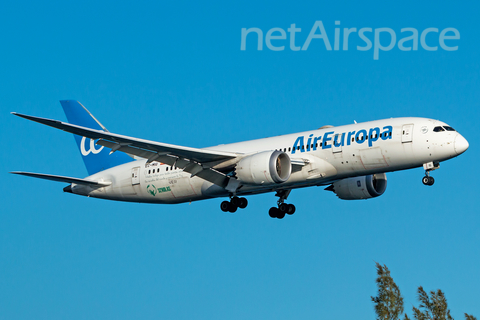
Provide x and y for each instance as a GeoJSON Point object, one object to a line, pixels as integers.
{"type": "Point", "coordinates": [135, 176]}
{"type": "Point", "coordinates": [338, 142]}
{"type": "Point", "coordinates": [407, 133]}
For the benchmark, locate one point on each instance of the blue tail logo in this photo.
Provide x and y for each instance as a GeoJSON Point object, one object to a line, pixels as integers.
{"type": "Point", "coordinates": [95, 157]}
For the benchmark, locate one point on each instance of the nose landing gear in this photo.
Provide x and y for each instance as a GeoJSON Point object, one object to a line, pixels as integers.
{"type": "Point", "coordinates": [283, 208]}
{"type": "Point", "coordinates": [430, 166]}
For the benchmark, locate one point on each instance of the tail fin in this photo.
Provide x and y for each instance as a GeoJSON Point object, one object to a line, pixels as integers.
{"type": "Point", "coordinates": [96, 158]}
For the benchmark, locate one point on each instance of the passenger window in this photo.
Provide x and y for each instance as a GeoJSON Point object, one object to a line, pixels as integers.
{"type": "Point", "coordinates": [288, 148]}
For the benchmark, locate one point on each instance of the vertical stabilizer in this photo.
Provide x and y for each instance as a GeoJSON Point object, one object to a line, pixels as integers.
{"type": "Point", "coordinates": [96, 158]}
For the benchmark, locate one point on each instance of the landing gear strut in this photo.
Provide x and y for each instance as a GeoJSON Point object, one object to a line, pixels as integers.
{"type": "Point", "coordinates": [428, 180]}
{"type": "Point", "coordinates": [234, 203]}
{"type": "Point", "coordinates": [283, 208]}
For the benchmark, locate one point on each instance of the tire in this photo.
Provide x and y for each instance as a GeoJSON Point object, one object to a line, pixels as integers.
{"type": "Point", "coordinates": [280, 215]}
{"type": "Point", "coordinates": [426, 180]}
{"type": "Point", "coordinates": [225, 206]}
{"type": "Point", "coordinates": [235, 201]}
{"type": "Point", "coordinates": [291, 209]}
{"type": "Point", "coordinates": [431, 181]}
{"type": "Point", "coordinates": [242, 203]}
{"type": "Point", "coordinates": [283, 208]}
{"type": "Point", "coordinates": [273, 212]}
{"type": "Point", "coordinates": [231, 207]}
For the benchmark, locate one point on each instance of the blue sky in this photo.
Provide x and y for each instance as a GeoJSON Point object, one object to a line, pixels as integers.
{"type": "Point", "coordinates": [174, 72]}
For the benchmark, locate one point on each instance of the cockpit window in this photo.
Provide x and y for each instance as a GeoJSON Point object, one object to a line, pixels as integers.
{"type": "Point", "coordinates": [444, 128]}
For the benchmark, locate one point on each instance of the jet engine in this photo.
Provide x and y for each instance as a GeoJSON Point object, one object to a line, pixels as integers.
{"type": "Point", "coordinates": [266, 167]}
{"type": "Point", "coordinates": [364, 187]}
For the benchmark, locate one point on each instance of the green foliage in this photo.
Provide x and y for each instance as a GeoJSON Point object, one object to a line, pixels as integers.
{"type": "Point", "coordinates": [389, 301]}
{"type": "Point", "coordinates": [434, 306]}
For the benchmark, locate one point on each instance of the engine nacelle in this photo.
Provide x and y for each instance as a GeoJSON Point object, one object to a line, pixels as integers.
{"type": "Point", "coordinates": [266, 167]}
{"type": "Point", "coordinates": [364, 187]}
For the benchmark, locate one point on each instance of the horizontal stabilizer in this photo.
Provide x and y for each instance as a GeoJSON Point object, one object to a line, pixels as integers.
{"type": "Point", "coordinates": [63, 179]}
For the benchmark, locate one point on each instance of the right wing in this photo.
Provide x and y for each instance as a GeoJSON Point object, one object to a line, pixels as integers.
{"type": "Point", "coordinates": [197, 162]}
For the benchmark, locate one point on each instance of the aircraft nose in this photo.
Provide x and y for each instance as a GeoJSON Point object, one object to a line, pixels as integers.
{"type": "Point", "coordinates": [461, 144]}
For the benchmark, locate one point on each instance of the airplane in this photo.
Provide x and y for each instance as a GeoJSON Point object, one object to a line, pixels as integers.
{"type": "Point", "coordinates": [350, 160]}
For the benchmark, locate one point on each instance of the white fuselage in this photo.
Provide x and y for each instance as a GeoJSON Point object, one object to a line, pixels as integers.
{"type": "Point", "coordinates": [319, 157]}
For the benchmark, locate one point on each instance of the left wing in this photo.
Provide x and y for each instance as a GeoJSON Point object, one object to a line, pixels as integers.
{"type": "Point", "coordinates": [198, 162]}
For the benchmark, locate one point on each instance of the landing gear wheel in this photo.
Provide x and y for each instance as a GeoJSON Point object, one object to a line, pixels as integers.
{"type": "Point", "coordinates": [291, 209]}
{"type": "Point", "coordinates": [283, 208]}
{"type": "Point", "coordinates": [225, 206]}
{"type": "Point", "coordinates": [231, 207]}
{"type": "Point", "coordinates": [428, 180]}
{"type": "Point", "coordinates": [273, 212]}
{"type": "Point", "coordinates": [235, 201]}
{"type": "Point", "coordinates": [431, 181]}
{"type": "Point", "coordinates": [242, 203]}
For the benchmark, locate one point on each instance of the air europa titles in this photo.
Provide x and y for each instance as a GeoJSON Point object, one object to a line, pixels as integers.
{"type": "Point", "coordinates": [330, 138]}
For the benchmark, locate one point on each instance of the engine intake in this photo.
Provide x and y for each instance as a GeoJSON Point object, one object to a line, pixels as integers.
{"type": "Point", "coordinates": [364, 187]}
{"type": "Point", "coordinates": [266, 167]}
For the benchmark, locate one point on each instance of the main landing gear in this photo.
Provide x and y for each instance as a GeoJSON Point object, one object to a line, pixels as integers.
{"type": "Point", "coordinates": [283, 208]}
{"type": "Point", "coordinates": [233, 204]}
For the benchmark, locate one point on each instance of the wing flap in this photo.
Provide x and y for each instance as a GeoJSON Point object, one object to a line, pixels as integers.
{"type": "Point", "coordinates": [193, 168]}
